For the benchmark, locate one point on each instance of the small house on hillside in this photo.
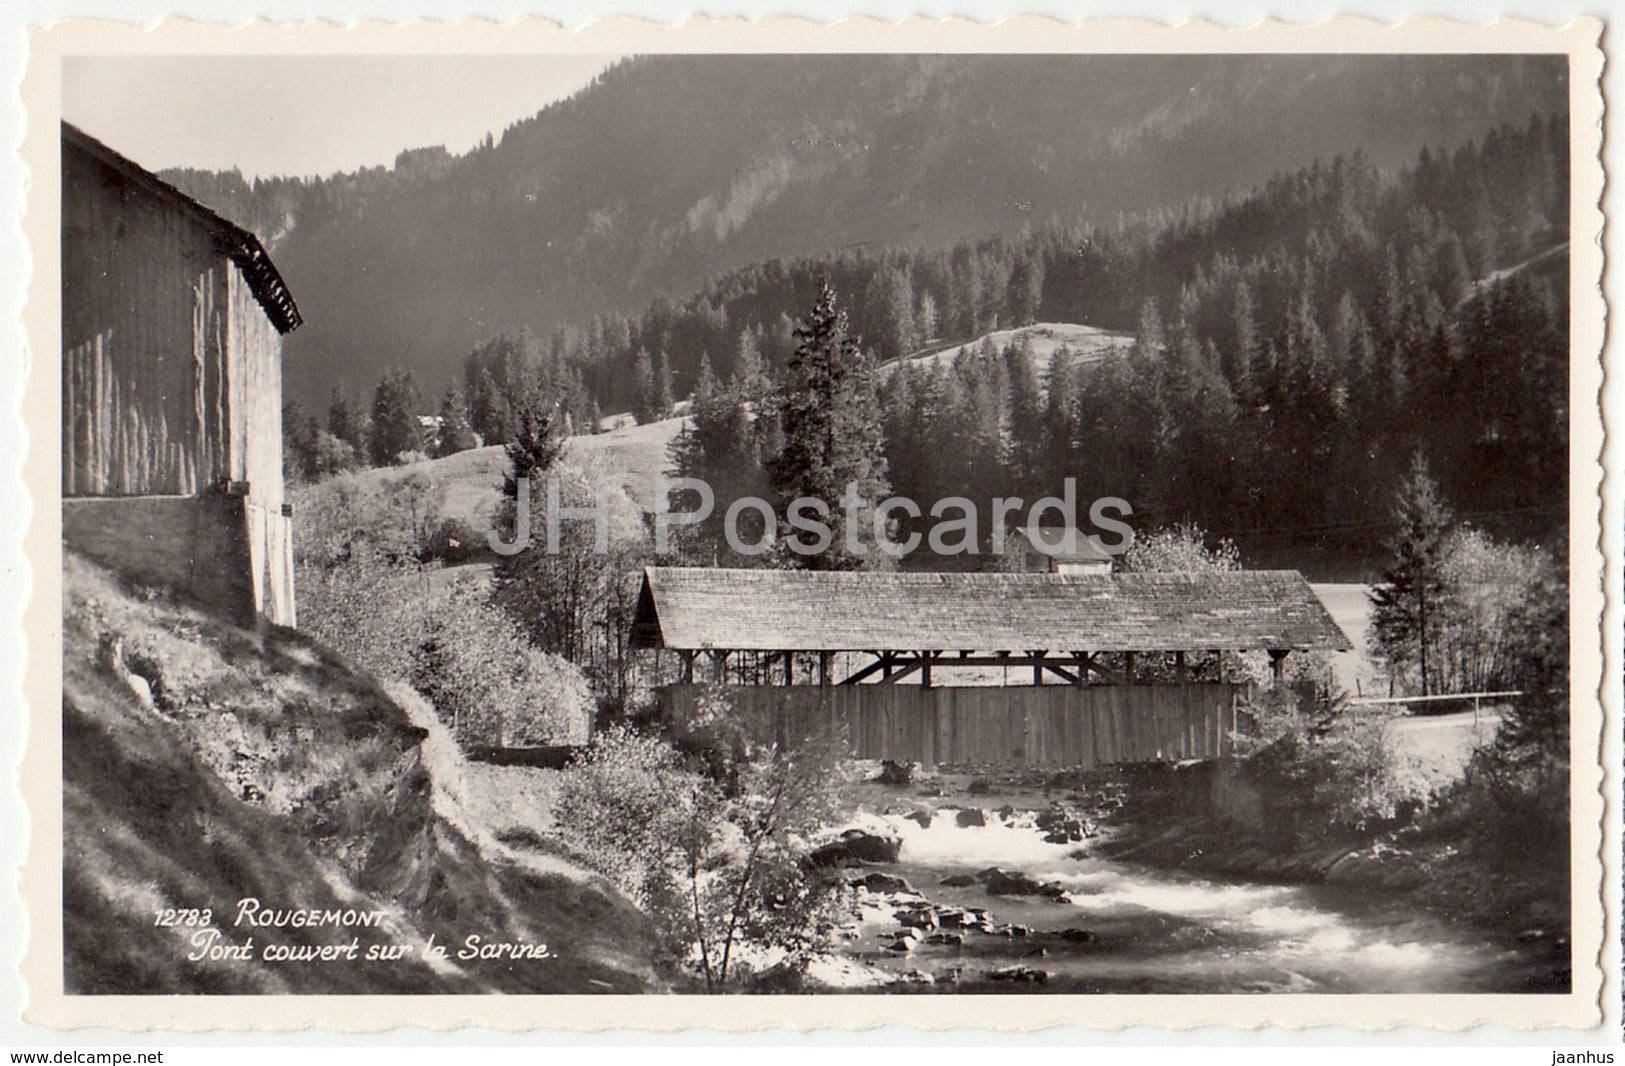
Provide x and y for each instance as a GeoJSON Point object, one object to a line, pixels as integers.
{"type": "Point", "coordinates": [1056, 550]}
{"type": "Point", "coordinates": [172, 325]}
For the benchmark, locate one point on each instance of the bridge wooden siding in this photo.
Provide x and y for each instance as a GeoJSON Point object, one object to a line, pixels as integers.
{"type": "Point", "coordinates": [1047, 725]}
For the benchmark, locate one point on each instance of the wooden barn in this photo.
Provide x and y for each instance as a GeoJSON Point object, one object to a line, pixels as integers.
{"type": "Point", "coordinates": [1110, 668]}
{"type": "Point", "coordinates": [172, 325]}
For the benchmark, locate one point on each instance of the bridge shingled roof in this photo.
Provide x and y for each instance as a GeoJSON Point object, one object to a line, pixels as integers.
{"type": "Point", "coordinates": [691, 609]}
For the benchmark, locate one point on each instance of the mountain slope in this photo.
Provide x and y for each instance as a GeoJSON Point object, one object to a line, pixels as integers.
{"type": "Point", "coordinates": [671, 169]}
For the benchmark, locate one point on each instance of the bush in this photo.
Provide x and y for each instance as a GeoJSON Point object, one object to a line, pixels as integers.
{"type": "Point", "coordinates": [624, 805]}
{"type": "Point", "coordinates": [362, 589]}
{"type": "Point", "coordinates": [374, 611]}
{"type": "Point", "coordinates": [1181, 548]}
{"type": "Point", "coordinates": [1328, 763]}
{"type": "Point", "coordinates": [578, 602]}
{"type": "Point", "coordinates": [390, 519]}
{"type": "Point", "coordinates": [490, 684]}
{"type": "Point", "coordinates": [712, 849]}
{"type": "Point", "coordinates": [455, 541]}
{"type": "Point", "coordinates": [1486, 584]}
{"type": "Point", "coordinates": [1516, 792]}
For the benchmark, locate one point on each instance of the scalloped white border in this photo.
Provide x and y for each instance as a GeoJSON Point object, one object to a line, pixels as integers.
{"type": "Point", "coordinates": [1595, 917]}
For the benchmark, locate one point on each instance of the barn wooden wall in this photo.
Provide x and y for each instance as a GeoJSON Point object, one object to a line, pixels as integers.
{"type": "Point", "coordinates": [143, 326]}
{"type": "Point", "coordinates": [1049, 725]}
{"type": "Point", "coordinates": [254, 374]}
{"type": "Point", "coordinates": [172, 371]}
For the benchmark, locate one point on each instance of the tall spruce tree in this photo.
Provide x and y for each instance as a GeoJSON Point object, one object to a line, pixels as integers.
{"type": "Point", "coordinates": [830, 413]}
{"type": "Point", "coordinates": [454, 434]}
{"type": "Point", "coordinates": [537, 441]}
{"type": "Point", "coordinates": [395, 425]}
{"type": "Point", "coordinates": [645, 398]}
{"type": "Point", "coordinates": [1407, 607]}
{"type": "Point", "coordinates": [663, 396]}
{"type": "Point", "coordinates": [341, 420]}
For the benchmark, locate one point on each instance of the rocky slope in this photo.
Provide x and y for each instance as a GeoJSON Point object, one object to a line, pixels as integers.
{"type": "Point", "coordinates": [205, 765]}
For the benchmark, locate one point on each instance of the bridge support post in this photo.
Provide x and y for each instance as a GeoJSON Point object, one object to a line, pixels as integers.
{"type": "Point", "coordinates": [1278, 664]}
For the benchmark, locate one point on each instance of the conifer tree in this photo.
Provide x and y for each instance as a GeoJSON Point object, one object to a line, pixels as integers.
{"type": "Point", "coordinates": [830, 412]}
{"type": "Point", "coordinates": [749, 377]}
{"type": "Point", "coordinates": [644, 395]}
{"type": "Point", "coordinates": [663, 398]}
{"type": "Point", "coordinates": [1407, 606]}
{"type": "Point", "coordinates": [1026, 405]}
{"type": "Point", "coordinates": [537, 442]}
{"type": "Point", "coordinates": [395, 425]}
{"type": "Point", "coordinates": [341, 420]}
{"type": "Point", "coordinates": [705, 382]}
{"type": "Point", "coordinates": [454, 434]}
{"type": "Point", "coordinates": [489, 413]}
{"type": "Point", "coordinates": [1242, 354]}
{"type": "Point", "coordinates": [717, 445]}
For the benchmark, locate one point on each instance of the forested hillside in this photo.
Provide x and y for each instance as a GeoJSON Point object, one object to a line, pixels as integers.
{"type": "Point", "coordinates": [1292, 350]}
{"type": "Point", "coordinates": [672, 170]}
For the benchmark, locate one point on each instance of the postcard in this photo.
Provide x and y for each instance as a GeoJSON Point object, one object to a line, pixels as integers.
{"type": "Point", "coordinates": [771, 523]}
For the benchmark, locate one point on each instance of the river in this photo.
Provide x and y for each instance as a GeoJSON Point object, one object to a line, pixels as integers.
{"type": "Point", "coordinates": [1129, 929]}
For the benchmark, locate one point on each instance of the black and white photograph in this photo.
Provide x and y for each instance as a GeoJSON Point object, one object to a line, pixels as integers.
{"type": "Point", "coordinates": [825, 522]}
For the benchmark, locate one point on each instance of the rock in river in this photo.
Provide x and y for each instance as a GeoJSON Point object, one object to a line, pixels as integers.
{"type": "Point", "coordinates": [999, 883]}
{"type": "Point", "coordinates": [856, 846]}
{"type": "Point", "coordinates": [879, 882]}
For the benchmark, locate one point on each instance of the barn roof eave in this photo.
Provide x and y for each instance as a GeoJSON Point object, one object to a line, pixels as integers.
{"type": "Point", "coordinates": [244, 248]}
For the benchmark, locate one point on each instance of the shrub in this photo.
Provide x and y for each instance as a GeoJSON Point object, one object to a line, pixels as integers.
{"type": "Point", "coordinates": [624, 806]}
{"type": "Point", "coordinates": [1181, 548]}
{"type": "Point", "coordinates": [1516, 792]}
{"type": "Point", "coordinates": [578, 602]}
{"type": "Point", "coordinates": [711, 849]}
{"type": "Point", "coordinates": [455, 541]}
{"type": "Point", "coordinates": [373, 610]}
{"type": "Point", "coordinates": [362, 589]}
{"type": "Point", "coordinates": [1328, 763]}
{"type": "Point", "coordinates": [1486, 585]}
{"type": "Point", "coordinates": [490, 684]}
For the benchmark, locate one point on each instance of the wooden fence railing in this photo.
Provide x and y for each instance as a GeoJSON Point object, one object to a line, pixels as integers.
{"type": "Point", "coordinates": [1045, 725]}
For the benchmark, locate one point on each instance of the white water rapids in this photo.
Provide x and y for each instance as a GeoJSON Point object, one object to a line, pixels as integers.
{"type": "Point", "coordinates": [1155, 931]}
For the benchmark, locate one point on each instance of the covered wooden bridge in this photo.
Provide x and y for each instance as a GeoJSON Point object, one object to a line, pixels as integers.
{"type": "Point", "coordinates": [1106, 668]}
